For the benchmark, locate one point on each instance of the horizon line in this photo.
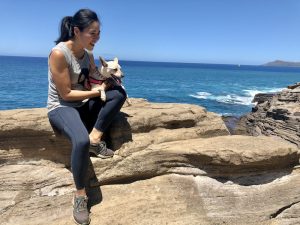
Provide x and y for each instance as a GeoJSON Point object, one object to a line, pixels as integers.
{"type": "Point", "coordinates": [129, 60]}
{"type": "Point", "coordinates": [174, 62]}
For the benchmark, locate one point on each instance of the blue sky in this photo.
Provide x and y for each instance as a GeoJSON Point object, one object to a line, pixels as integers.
{"type": "Point", "coordinates": [210, 31]}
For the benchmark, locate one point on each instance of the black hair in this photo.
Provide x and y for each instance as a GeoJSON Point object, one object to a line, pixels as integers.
{"type": "Point", "coordinates": [81, 19]}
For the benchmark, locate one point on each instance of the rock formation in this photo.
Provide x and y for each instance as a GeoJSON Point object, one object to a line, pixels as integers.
{"type": "Point", "coordinates": [276, 115]}
{"type": "Point", "coordinates": [173, 164]}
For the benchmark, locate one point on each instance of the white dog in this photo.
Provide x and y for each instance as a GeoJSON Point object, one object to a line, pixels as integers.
{"type": "Point", "coordinates": [111, 72]}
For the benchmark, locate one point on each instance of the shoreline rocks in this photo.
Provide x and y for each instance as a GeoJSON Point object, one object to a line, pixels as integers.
{"type": "Point", "coordinates": [173, 164]}
{"type": "Point", "coordinates": [277, 115]}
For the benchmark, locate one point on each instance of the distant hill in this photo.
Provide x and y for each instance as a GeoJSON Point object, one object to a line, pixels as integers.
{"type": "Point", "coordinates": [282, 63]}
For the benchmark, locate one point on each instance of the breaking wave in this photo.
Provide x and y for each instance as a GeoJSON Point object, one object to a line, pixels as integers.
{"type": "Point", "coordinates": [245, 98]}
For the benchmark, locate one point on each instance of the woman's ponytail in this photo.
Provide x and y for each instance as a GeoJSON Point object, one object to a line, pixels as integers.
{"type": "Point", "coordinates": [66, 29]}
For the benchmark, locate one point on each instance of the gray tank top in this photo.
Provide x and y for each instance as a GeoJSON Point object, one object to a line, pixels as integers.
{"type": "Point", "coordinates": [78, 70]}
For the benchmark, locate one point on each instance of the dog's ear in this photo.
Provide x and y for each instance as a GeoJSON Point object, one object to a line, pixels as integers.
{"type": "Point", "coordinates": [116, 60]}
{"type": "Point", "coordinates": [103, 62]}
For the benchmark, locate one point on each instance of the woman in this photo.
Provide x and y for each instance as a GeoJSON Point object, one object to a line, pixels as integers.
{"type": "Point", "coordinates": [74, 110]}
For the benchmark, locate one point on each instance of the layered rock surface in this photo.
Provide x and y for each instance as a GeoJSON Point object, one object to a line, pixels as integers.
{"type": "Point", "coordinates": [173, 164]}
{"type": "Point", "coordinates": [277, 115]}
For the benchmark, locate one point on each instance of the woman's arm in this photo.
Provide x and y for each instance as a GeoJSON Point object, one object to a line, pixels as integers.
{"type": "Point", "coordinates": [61, 78]}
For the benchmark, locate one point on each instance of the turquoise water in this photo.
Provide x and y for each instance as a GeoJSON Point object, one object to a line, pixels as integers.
{"type": "Point", "coordinates": [224, 89]}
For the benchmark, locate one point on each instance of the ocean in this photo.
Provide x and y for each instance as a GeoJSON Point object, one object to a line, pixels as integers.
{"type": "Point", "coordinates": [224, 89]}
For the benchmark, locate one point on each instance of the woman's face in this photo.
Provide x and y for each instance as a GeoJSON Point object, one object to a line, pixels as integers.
{"type": "Point", "coordinates": [90, 35]}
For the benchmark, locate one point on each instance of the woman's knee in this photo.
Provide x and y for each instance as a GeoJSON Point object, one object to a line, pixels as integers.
{"type": "Point", "coordinates": [82, 143]}
{"type": "Point", "coordinates": [120, 96]}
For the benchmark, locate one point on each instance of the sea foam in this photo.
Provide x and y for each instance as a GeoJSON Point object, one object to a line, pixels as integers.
{"type": "Point", "coordinates": [244, 98]}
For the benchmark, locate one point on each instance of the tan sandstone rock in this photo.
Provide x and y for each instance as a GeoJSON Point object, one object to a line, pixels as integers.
{"type": "Point", "coordinates": [215, 157]}
{"type": "Point", "coordinates": [174, 164]}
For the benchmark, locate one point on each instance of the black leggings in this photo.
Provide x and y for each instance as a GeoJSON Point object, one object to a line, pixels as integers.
{"type": "Point", "coordinates": [76, 123]}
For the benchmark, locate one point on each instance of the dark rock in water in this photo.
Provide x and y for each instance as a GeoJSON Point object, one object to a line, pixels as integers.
{"type": "Point", "coordinates": [263, 97]}
{"type": "Point", "coordinates": [294, 86]}
{"type": "Point", "coordinates": [276, 115]}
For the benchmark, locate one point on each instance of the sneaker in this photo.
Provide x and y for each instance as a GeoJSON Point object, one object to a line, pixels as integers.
{"type": "Point", "coordinates": [80, 211]}
{"type": "Point", "coordinates": [100, 150]}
